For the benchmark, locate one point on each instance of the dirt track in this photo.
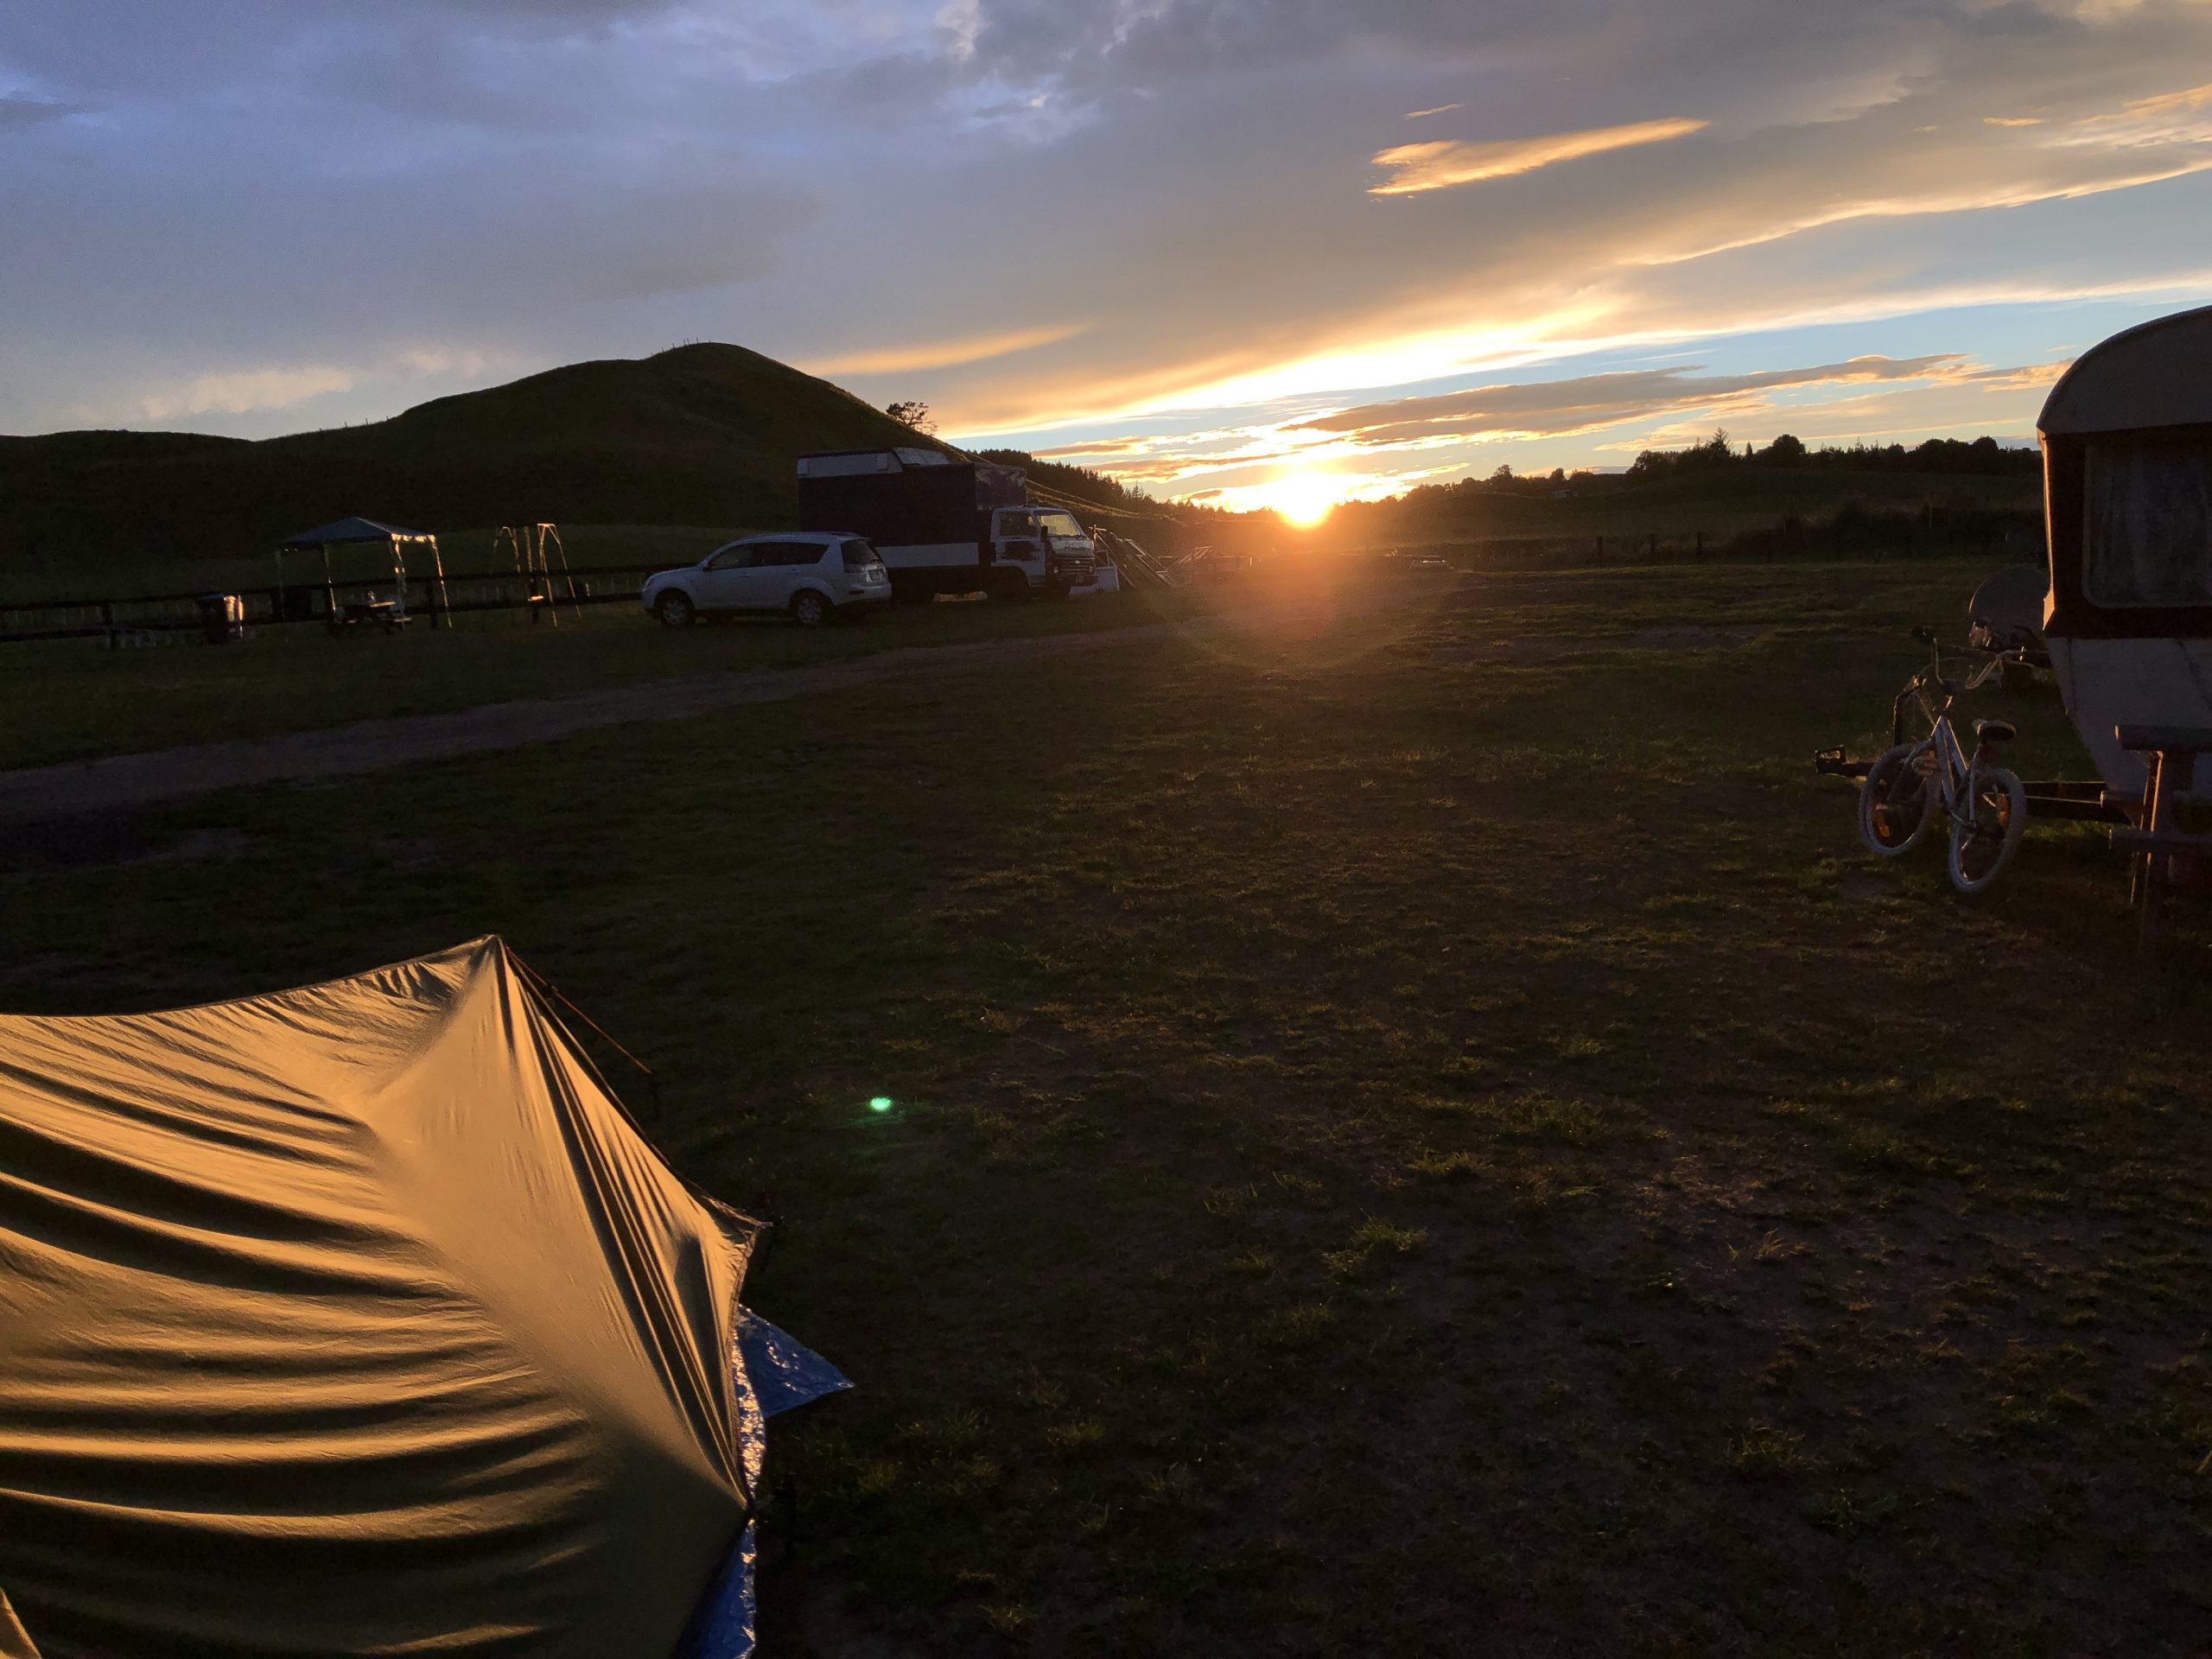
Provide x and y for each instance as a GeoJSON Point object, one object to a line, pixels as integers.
{"type": "Point", "coordinates": [119, 782]}
{"type": "Point", "coordinates": [79, 789]}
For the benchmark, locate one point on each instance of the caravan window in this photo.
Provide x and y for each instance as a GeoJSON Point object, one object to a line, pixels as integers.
{"type": "Point", "coordinates": [2147, 536]}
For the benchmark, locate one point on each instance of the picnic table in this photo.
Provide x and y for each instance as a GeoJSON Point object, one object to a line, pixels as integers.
{"type": "Point", "coordinates": [364, 612]}
{"type": "Point", "coordinates": [2165, 855]}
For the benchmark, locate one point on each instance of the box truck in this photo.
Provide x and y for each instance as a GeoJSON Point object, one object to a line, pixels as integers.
{"type": "Point", "coordinates": [944, 524]}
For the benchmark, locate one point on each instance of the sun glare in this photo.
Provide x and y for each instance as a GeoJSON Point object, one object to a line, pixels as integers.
{"type": "Point", "coordinates": [1304, 498]}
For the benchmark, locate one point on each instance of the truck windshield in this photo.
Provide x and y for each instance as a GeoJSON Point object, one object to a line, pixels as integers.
{"type": "Point", "coordinates": [1061, 527]}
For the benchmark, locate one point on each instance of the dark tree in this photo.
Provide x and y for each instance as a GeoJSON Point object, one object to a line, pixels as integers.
{"type": "Point", "coordinates": [913, 413]}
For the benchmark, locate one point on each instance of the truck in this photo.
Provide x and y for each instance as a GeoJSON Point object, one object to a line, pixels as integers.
{"type": "Point", "coordinates": [945, 525]}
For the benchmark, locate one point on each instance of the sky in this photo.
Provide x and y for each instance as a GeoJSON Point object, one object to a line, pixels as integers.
{"type": "Point", "coordinates": [1243, 251]}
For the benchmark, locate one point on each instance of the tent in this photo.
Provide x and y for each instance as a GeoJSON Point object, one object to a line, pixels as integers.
{"type": "Point", "coordinates": [363, 532]}
{"type": "Point", "coordinates": [360, 1319]}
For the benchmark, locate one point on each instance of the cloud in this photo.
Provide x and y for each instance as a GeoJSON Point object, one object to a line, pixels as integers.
{"type": "Point", "coordinates": [31, 111]}
{"type": "Point", "coordinates": [315, 183]}
{"type": "Point", "coordinates": [243, 390]}
{"type": "Point", "coordinates": [259, 396]}
{"type": "Point", "coordinates": [1441, 164]}
{"type": "Point", "coordinates": [944, 354]}
{"type": "Point", "coordinates": [1442, 109]}
{"type": "Point", "coordinates": [2183, 117]}
{"type": "Point", "coordinates": [1593, 403]}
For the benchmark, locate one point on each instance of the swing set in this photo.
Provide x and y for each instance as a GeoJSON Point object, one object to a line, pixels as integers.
{"type": "Point", "coordinates": [531, 548]}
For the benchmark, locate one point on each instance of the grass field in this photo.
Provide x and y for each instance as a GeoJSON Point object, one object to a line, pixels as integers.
{"type": "Point", "coordinates": [1405, 1142]}
{"type": "Point", "coordinates": [70, 699]}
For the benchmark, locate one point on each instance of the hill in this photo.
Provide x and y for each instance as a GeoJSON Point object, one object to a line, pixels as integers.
{"type": "Point", "coordinates": [701, 435]}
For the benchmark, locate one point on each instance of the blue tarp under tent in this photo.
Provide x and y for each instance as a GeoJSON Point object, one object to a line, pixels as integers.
{"type": "Point", "coordinates": [360, 1319]}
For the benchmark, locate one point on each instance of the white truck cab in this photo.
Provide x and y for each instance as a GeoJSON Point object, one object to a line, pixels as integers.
{"type": "Point", "coordinates": [1051, 550]}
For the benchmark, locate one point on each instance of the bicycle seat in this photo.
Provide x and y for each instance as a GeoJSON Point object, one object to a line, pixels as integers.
{"type": "Point", "coordinates": [1995, 731]}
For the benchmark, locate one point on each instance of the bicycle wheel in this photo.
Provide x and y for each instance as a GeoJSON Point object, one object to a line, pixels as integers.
{"type": "Point", "coordinates": [1983, 841]}
{"type": "Point", "coordinates": [1897, 801]}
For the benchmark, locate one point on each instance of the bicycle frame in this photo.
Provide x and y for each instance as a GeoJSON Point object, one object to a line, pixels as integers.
{"type": "Point", "coordinates": [1954, 771]}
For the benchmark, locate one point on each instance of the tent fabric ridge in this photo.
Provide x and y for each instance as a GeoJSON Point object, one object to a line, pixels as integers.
{"type": "Point", "coordinates": [647, 1291]}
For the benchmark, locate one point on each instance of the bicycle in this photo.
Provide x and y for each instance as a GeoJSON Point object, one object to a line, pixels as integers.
{"type": "Point", "coordinates": [1904, 788]}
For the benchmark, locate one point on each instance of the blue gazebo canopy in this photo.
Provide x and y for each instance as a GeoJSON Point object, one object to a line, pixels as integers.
{"type": "Point", "coordinates": [343, 533]}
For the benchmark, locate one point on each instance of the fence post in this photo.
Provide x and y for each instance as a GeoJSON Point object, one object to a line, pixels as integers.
{"type": "Point", "coordinates": [1700, 547]}
{"type": "Point", "coordinates": [1601, 558]}
{"type": "Point", "coordinates": [1651, 551]}
{"type": "Point", "coordinates": [108, 620]}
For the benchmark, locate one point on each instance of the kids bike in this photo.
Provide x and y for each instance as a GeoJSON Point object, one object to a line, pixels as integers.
{"type": "Point", "coordinates": [1910, 784]}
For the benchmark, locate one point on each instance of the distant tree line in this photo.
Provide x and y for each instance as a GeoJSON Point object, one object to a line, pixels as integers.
{"type": "Point", "coordinates": [1984, 457]}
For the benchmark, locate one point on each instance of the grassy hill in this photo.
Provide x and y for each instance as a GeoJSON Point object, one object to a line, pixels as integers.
{"type": "Point", "coordinates": [701, 434]}
{"type": "Point", "coordinates": [657, 458]}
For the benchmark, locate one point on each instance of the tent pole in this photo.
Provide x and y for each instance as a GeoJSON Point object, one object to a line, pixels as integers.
{"type": "Point", "coordinates": [329, 590]}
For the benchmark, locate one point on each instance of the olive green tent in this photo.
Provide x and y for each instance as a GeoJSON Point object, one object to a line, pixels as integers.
{"type": "Point", "coordinates": [356, 1320]}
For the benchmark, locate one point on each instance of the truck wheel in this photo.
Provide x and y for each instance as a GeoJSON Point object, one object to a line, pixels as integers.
{"type": "Point", "coordinates": [810, 609]}
{"type": "Point", "coordinates": [676, 609]}
{"type": "Point", "coordinates": [1009, 585]}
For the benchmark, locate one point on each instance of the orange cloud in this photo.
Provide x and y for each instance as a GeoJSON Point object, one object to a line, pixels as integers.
{"type": "Point", "coordinates": [1442, 164]}
{"type": "Point", "coordinates": [945, 354]}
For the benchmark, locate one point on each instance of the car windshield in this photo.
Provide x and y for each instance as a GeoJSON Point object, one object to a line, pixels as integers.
{"type": "Point", "coordinates": [859, 556]}
{"type": "Point", "coordinates": [1061, 527]}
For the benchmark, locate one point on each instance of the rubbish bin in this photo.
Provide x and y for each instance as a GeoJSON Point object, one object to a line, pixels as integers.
{"type": "Point", "coordinates": [222, 617]}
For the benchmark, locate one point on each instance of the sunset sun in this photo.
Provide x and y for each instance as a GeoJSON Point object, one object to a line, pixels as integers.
{"type": "Point", "coordinates": [1304, 500]}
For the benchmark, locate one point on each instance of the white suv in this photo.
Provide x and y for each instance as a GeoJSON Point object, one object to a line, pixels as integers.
{"type": "Point", "coordinates": [812, 574]}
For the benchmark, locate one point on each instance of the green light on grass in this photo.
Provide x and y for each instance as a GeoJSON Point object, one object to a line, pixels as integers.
{"type": "Point", "coordinates": [881, 1103]}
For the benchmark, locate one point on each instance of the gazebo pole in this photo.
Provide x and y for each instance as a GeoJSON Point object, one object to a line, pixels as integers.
{"type": "Point", "coordinates": [329, 589]}
{"type": "Point", "coordinates": [399, 572]}
{"type": "Point", "coordinates": [438, 564]}
{"type": "Point", "coordinates": [279, 617]}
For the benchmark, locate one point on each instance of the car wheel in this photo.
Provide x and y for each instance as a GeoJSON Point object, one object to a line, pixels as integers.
{"type": "Point", "coordinates": [676, 609]}
{"type": "Point", "coordinates": [810, 609]}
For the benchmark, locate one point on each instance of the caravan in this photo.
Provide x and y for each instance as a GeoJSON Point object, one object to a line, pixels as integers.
{"type": "Point", "coordinates": [2128, 457]}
